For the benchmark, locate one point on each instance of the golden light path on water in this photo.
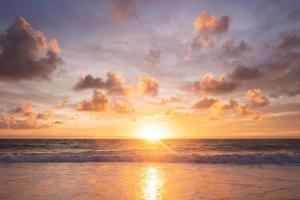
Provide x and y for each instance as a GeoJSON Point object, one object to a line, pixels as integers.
{"type": "Point", "coordinates": [153, 184]}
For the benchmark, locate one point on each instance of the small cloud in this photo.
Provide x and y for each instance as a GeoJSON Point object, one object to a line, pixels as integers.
{"type": "Point", "coordinates": [148, 85]}
{"type": "Point", "coordinates": [205, 103]}
{"type": "Point", "coordinates": [208, 84]}
{"type": "Point", "coordinates": [206, 24]}
{"type": "Point", "coordinates": [98, 102]}
{"type": "Point", "coordinates": [256, 97]}
{"type": "Point", "coordinates": [232, 50]}
{"type": "Point", "coordinates": [45, 115]}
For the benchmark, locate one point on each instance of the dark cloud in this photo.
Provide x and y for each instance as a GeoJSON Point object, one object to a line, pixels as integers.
{"type": "Point", "coordinates": [230, 49]}
{"type": "Point", "coordinates": [20, 53]}
{"type": "Point", "coordinates": [124, 9]}
{"type": "Point", "coordinates": [208, 84]}
{"type": "Point", "coordinates": [114, 84]}
{"type": "Point", "coordinates": [205, 103]}
{"type": "Point", "coordinates": [245, 73]}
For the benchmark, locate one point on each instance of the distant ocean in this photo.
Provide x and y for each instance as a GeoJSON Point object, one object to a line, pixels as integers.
{"type": "Point", "coordinates": [178, 151]}
{"type": "Point", "coordinates": [142, 170]}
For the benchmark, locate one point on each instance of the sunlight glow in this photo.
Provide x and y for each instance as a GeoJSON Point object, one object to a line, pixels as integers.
{"type": "Point", "coordinates": [152, 132]}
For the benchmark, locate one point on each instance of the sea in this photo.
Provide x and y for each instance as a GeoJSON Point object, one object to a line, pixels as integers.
{"type": "Point", "coordinates": [151, 170]}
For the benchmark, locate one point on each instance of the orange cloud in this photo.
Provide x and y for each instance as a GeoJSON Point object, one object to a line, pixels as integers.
{"type": "Point", "coordinates": [98, 102]}
{"type": "Point", "coordinates": [23, 117]}
{"type": "Point", "coordinates": [256, 97]}
{"type": "Point", "coordinates": [207, 24]}
{"type": "Point", "coordinates": [148, 85]}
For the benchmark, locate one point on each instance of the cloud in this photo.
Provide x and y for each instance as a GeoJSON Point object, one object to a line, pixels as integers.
{"type": "Point", "coordinates": [207, 24]}
{"type": "Point", "coordinates": [230, 49]}
{"type": "Point", "coordinates": [114, 84]}
{"type": "Point", "coordinates": [124, 9]}
{"type": "Point", "coordinates": [21, 49]}
{"type": "Point", "coordinates": [247, 112]}
{"type": "Point", "coordinates": [245, 73]}
{"type": "Point", "coordinates": [205, 103]}
{"type": "Point", "coordinates": [153, 56]}
{"type": "Point", "coordinates": [45, 115]}
{"type": "Point", "coordinates": [214, 86]}
{"type": "Point", "coordinates": [256, 97]}
{"type": "Point", "coordinates": [290, 41]}
{"type": "Point", "coordinates": [98, 102]}
{"type": "Point", "coordinates": [148, 85]}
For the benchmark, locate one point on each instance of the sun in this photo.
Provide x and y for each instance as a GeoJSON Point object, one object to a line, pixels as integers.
{"type": "Point", "coordinates": [152, 132]}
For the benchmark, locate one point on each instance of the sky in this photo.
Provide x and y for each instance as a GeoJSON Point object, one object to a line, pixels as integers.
{"type": "Point", "coordinates": [117, 68]}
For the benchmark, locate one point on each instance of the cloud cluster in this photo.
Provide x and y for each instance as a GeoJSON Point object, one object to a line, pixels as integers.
{"type": "Point", "coordinates": [100, 102]}
{"type": "Point", "coordinates": [256, 97]}
{"type": "Point", "coordinates": [115, 93]}
{"type": "Point", "coordinates": [208, 84]}
{"type": "Point", "coordinates": [207, 26]}
{"type": "Point", "coordinates": [219, 105]}
{"type": "Point", "coordinates": [21, 48]}
{"type": "Point", "coordinates": [23, 117]}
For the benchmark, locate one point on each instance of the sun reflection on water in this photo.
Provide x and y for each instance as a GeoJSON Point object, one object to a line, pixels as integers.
{"type": "Point", "coordinates": [153, 184]}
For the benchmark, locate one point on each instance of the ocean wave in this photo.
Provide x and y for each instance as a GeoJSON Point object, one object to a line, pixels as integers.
{"type": "Point", "coordinates": [235, 158]}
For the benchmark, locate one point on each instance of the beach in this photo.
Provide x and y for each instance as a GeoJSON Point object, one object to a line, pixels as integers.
{"type": "Point", "coordinates": [137, 169]}
{"type": "Point", "coordinates": [149, 181]}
